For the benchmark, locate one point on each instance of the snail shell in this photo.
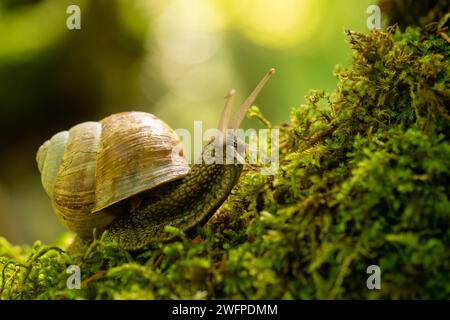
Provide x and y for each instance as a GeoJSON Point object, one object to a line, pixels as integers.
{"type": "Point", "coordinates": [95, 165]}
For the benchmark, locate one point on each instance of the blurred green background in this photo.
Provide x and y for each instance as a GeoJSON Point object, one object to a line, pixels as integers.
{"type": "Point", "coordinates": [176, 59]}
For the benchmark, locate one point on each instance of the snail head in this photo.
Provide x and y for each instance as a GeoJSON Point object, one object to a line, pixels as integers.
{"type": "Point", "coordinates": [226, 141]}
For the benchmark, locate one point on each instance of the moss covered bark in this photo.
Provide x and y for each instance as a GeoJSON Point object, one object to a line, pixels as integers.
{"type": "Point", "coordinates": [364, 179]}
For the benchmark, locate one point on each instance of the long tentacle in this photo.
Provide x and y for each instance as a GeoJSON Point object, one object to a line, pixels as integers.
{"type": "Point", "coordinates": [251, 99]}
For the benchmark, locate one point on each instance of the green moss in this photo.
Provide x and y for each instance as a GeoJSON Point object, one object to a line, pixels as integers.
{"type": "Point", "coordinates": [364, 179]}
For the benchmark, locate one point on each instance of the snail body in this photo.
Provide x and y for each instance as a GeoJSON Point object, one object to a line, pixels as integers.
{"type": "Point", "coordinates": [120, 174]}
{"type": "Point", "coordinates": [186, 203]}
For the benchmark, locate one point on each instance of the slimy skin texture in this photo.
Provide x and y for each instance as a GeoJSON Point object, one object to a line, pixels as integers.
{"type": "Point", "coordinates": [185, 204]}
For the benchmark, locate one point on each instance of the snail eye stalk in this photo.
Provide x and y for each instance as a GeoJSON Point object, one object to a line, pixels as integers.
{"type": "Point", "coordinates": [251, 99]}
{"type": "Point", "coordinates": [226, 133]}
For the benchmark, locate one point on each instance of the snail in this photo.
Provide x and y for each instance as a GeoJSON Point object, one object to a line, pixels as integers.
{"type": "Point", "coordinates": [120, 174]}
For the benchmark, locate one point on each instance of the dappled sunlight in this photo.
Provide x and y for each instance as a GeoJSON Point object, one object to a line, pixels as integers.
{"type": "Point", "coordinates": [189, 32]}
{"type": "Point", "coordinates": [276, 23]}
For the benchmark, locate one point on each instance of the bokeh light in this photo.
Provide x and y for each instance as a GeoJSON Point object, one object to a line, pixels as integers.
{"type": "Point", "coordinates": [276, 24]}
